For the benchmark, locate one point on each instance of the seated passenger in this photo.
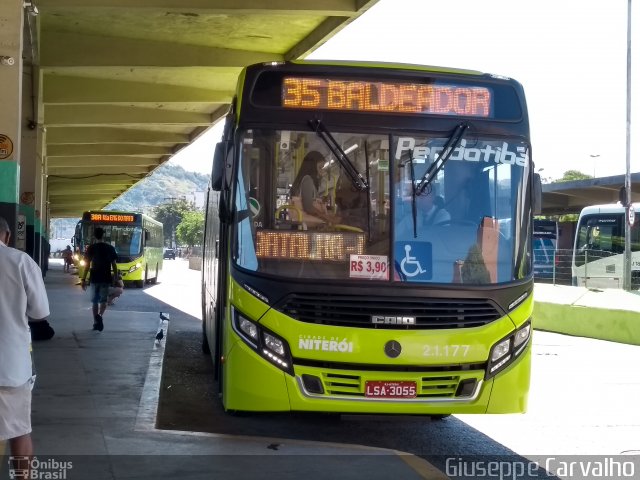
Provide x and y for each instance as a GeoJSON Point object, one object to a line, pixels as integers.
{"type": "Point", "coordinates": [304, 191]}
{"type": "Point", "coordinates": [430, 210]}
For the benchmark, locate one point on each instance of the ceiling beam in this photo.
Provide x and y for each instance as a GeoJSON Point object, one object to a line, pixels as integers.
{"type": "Point", "coordinates": [79, 115]}
{"type": "Point", "coordinates": [97, 170]}
{"type": "Point", "coordinates": [82, 135]}
{"type": "Point", "coordinates": [81, 190]}
{"type": "Point", "coordinates": [71, 150]}
{"type": "Point", "coordinates": [60, 50]}
{"type": "Point", "coordinates": [233, 7]}
{"type": "Point", "coordinates": [219, 113]}
{"type": "Point", "coordinates": [317, 37]}
{"type": "Point", "coordinates": [95, 197]}
{"type": "Point", "coordinates": [67, 89]}
{"type": "Point", "coordinates": [112, 179]}
{"type": "Point", "coordinates": [69, 212]}
{"type": "Point", "coordinates": [105, 160]}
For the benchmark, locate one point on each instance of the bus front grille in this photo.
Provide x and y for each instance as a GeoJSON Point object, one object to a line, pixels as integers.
{"type": "Point", "coordinates": [429, 387]}
{"type": "Point", "coordinates": [359, 311]}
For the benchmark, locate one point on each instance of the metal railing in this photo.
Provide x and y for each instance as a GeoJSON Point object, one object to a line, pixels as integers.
{"type": "Point", "coordinates": [555, 267]}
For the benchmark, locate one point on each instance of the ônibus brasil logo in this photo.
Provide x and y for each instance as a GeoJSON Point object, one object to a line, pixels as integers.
{"type": "Point", "coordinates": [33, 468]}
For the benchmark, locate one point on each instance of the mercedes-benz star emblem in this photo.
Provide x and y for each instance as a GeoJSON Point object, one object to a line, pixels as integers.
{"type": "Point", "coordinates": [392, 349]}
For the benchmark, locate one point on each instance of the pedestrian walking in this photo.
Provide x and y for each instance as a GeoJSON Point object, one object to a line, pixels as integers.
{"type": "Point", "coordinates": [67, 256]}
{"type": "Point", "coordinates": [101, 261]}
{"type": "Point", "coordinates": [22, 296]}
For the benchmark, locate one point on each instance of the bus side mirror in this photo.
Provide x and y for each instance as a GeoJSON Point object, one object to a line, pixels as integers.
{"type": "Point", "coordinates": [537, 194]}
{"type": "Point", "coordinates": [217, 171]}
{"type": "Point", "coordinates": [147, 235]}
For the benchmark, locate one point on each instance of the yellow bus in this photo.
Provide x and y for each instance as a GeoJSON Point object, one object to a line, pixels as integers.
{"type": "Point", "coordinates": [137, 238]}
{"type": "Point", "coordinates": [368, 242]}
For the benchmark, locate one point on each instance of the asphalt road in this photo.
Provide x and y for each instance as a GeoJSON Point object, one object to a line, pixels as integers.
{"type": "Point", "coordinates": [583, 399]}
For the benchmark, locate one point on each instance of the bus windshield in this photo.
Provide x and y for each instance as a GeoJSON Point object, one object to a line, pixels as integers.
{"type": "Point", "coordinates": [299, 215]}
{"type": "Point", "coordinates": [126, 239]}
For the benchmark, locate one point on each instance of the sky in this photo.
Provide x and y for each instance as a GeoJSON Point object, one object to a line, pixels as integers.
{"type": "Point", "coordinates": [569, 55]}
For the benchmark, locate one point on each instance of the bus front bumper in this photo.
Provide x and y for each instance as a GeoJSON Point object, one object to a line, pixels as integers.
{"type": "Point", "coordinates": [253, 384]}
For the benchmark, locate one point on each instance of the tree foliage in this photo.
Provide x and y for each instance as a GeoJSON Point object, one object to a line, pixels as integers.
{"type": "Point", "coordinates": [191, 229]}
{"type": "Point", "coordinates": [171, 214]}
{"type": "Point", "coordinates": [571, 175]}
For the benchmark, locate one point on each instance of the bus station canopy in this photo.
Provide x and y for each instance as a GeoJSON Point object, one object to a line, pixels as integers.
{"type": "Point", "coordinates": [124, 85]}
{"type": "Point", "coordinates": [571, 197]}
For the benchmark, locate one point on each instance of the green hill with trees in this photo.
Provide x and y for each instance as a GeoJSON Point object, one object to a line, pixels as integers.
{"type": "Point", "coordinates": [165, 184]}
{"type": "Point", "coordinates": [154, 195]}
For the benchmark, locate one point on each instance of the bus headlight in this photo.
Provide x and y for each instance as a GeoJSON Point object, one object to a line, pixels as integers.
{"type": "Point", "coordinates": [274, 344]}
{"type": "Point", "coordinates": [135, 267]}
{"type": "Point", "coordinates": [263, 341]}
{"type": "Point", "coordinates": [76, 257]}
{"type": "Point", "coordinates": [507, 350]}
{"type": "Point", "coordinates": [82, 263]}
{"type": "Point", "coordinates": [249, 328]}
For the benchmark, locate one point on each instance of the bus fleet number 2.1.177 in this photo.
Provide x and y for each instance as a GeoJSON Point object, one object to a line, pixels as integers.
{"type": "Point", "coordinates": [445, 350]}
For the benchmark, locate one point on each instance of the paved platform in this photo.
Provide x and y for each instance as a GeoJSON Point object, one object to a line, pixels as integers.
{"type": "Point", "coordinates": [95, 400]}
{"type": "Point", "coordinates": [607, 298]}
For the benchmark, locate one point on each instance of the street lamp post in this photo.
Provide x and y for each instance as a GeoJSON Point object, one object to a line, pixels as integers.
{"type": "Point", "coordinates": [594, 156]}
{"type": "Point", "coordinates": [627, 179]}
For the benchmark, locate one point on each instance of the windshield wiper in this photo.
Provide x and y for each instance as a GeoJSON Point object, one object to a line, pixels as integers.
{"type": "Point", "coordinates": [452, 143]}
{"type": "Point", "coordinates": [358, 180]}
{"type": "Point", "coordinates": [414, 206]}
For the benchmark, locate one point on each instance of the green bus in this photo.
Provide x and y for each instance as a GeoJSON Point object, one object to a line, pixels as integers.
{"type": "Point", "coordinates": [137, 238]}
{"type": "Point", "coordinates": [368, 241]}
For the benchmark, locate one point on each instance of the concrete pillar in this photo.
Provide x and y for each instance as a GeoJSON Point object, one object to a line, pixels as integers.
{"type": "Point", "coordinates": [11, 22]}
{"type": "Point", "coordinates": [32, 164]}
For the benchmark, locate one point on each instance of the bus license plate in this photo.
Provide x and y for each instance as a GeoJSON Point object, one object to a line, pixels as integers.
{"type": "Point", "coordinates": [388, 389]}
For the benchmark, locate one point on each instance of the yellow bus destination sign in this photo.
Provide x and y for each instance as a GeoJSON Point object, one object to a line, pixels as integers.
{"type": "Point", "coordinates": [111, 218]}
{"type": "Point", "coordinates": [320, 246]}
{"type": "Point", "coordinates": [391, 97]}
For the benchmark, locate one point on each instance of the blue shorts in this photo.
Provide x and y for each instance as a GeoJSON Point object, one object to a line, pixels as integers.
{"type": "Point", "coordinates": [100, 292]}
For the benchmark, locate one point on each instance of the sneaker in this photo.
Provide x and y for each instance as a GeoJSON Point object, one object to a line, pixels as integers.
{"type": "Point", "coordinates": [97, 324]}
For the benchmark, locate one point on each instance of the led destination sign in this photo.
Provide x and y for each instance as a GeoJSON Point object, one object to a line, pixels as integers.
{"type": "Point", "coordinates": [111, 218]}
{"type": "Point", "coordinates": [333, 246]}
{"type": "Point", "coordinates": [391, 97]}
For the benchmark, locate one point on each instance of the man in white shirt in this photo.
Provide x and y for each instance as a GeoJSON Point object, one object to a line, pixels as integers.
{"type": "Point", "coordinates": [22, 296]}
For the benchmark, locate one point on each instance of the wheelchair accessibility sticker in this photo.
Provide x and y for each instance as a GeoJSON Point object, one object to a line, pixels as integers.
{"type": "Point", "coordinates": [413, 261]}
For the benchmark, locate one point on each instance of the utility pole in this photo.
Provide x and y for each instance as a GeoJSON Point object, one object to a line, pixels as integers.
{"type": "Point", "coordinates": [628, 207]}
{"type": "Point", "coordinates": [173, 222]}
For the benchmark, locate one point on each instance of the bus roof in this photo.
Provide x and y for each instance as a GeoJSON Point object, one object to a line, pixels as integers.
{"type": "Point", "coordinates": [390, 65]}
{"type": "Point", "coordinates": [606, 208]}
